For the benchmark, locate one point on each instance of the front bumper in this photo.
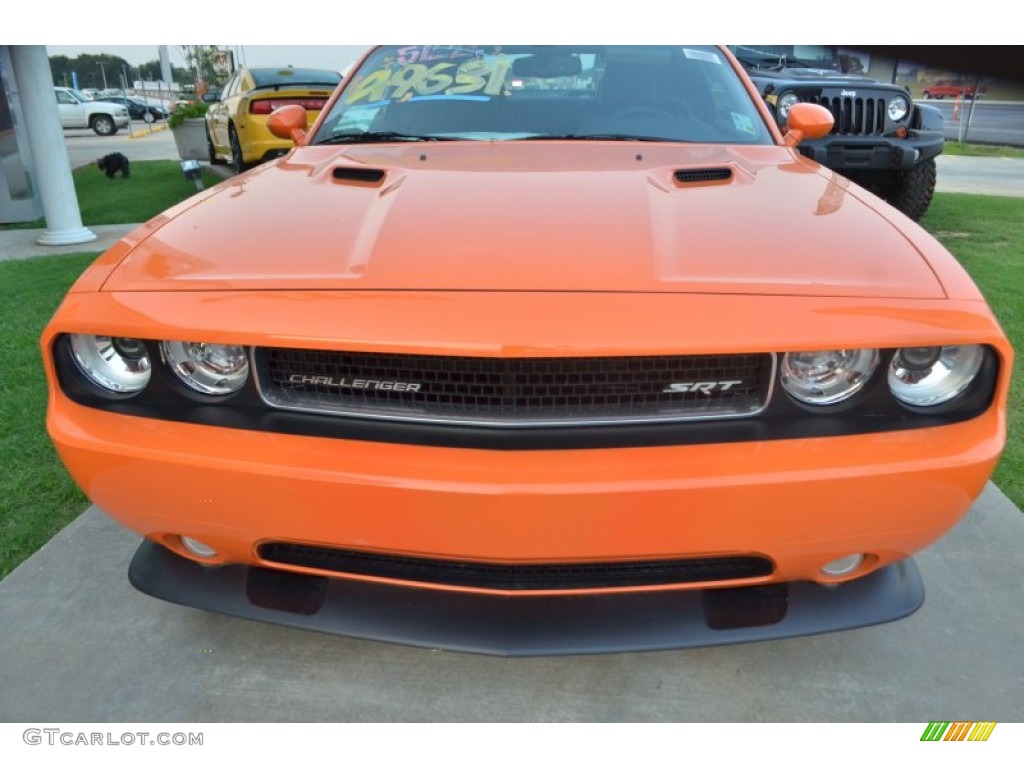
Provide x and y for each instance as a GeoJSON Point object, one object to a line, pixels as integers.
{"type": "Point", "coordinates": [841, 153]}
{"type": "Point", "coordinates": [529, 626]}
{"type": "Point", "coordinates": [801, 503]}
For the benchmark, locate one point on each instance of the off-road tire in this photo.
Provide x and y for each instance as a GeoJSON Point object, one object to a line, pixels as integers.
{"type": "Point", "coordinates": [103, 125]}
{"type": "Point", "coordinates": [913, 191]}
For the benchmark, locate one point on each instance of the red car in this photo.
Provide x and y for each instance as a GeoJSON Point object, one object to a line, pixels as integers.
{"type": "Point", "coordinates": [952, 91]}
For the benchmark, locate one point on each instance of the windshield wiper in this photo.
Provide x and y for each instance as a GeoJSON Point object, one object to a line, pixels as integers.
{"type": "Point", "coordinates": [597, 137]}
{"type": "Point", "coordinates": [378, 137]}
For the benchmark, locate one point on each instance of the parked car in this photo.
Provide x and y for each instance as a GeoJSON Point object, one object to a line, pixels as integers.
{"type": "Point", "coordinates": [139, 109]}
{"type": "Point", "coordinates": [76, 111]}
{"type": "Point", "coordinates": [949, 90]}
{"type": "Point", "coordinates": [880, 138]}
{"type": "Point", "coordinates": [237, 119]}
{"type": "Point", "coordinates": [533, 350]}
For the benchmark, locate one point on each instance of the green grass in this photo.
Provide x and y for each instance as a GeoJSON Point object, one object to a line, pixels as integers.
{"type": "Point", "coordinates": [986, 234]}
{"type": "Point", "coordinates": [980, 150]}
{"type": "Point", "coordinates": [154, 186]}
{"type": "Point", "coordinates": [37, 498]}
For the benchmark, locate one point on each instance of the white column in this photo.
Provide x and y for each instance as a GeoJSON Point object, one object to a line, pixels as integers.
{"type": "Point", "coordinates": [46, 138]}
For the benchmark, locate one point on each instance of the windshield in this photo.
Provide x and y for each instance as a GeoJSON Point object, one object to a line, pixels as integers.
{"type": "Point", "coordinates": [815, 56]}
{"type": "Point", "coordinates": [645, 93]}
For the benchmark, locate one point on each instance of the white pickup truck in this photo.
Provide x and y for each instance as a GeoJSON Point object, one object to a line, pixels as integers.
{"type": "Point", "coordinates": [76, 111]}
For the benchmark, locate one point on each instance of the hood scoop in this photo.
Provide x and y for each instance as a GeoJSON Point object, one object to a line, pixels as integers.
{"type": "Point", "coordinates": [367, 176]}
{"type": "Point", "coordinates": [703, 175]}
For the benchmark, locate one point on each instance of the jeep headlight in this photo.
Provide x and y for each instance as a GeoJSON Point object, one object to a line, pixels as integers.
{"type": "Point", "coordinates": [828, 376]}
{"type": "Point", "coordinates": [927, 376]}
{"type": "Point", "coordinates": [116, 365]}
{"type": "Point", "coordinates": [898, 108]}
{"type": "Point", "coordinates": [211, 369]}
{"type": "Point", "coordinates": [786, 103]}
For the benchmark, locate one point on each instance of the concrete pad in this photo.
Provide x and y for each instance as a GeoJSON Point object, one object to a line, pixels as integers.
{"type": "Point", "coordinates": [21, 243]}
{"type": "Point", "coordinates": [77, 643]}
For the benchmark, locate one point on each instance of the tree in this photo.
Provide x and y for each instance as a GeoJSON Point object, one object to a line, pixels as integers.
{"type": "Point", "coordinates": [94, 70]}
{"type": "Point", "coordinates": [151, 71]}
{"type": "Point", "coordinates": [200, 60]}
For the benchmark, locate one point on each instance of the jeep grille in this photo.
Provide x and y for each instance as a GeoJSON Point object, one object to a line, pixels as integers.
{"type": "Point", "coordinates": [854, 116]}
{"type": "Point", "coordinates": [514, 392]}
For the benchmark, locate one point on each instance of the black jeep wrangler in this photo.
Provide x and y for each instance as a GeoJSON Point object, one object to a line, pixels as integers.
{"type": "Point", "coordinates": [881, 139]}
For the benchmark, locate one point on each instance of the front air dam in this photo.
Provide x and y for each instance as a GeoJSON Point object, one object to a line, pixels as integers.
{"type": "Point", "coordinates": [529, 626]}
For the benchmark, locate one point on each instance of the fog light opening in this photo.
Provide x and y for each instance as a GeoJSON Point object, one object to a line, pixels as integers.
{"type": "Point", "coordinates": [843, 566]}
{"type": "Point", "coordinates": [197, 548]}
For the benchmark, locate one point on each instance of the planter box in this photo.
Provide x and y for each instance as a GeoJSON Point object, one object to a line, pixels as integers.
{"type": "Point", "coordinates": [190, 138]}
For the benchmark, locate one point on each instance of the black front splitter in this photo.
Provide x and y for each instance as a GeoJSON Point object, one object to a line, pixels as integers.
{"type": "Point", "coordinates": [529, 626]}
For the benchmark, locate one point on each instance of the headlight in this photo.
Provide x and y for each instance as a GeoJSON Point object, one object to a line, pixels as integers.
{"type": "Point", "coordinates": [898, 107]}
{"type": "Point", "coordinates": [785, 103]}
{"type": "Point", "coordinates": [925, 376]}
{"type": "Point", "coordinates": [827, 376]}
{"type": "Point", "coordinates": [114, 364]}
{"type": "Point", "coordinates": [212, 369]}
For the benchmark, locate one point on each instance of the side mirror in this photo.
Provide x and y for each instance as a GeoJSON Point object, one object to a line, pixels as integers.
{"type": "Point", "coordinates": [211, 97]}
{"type": "Point", "coordinates": [807, 121]}
{"type": "Point", "coordinates": [288, 123]}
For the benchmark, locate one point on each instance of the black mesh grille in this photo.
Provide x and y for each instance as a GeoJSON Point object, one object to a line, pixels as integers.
{"type": "Point", "coordinates": [854, 116]}
{"type": "Point", "coordinates": [369, 175]}
{"type": "Point", "coordinates": [697, 175]}
{"type": "Point", "coordinates": [519, 391]}
{"type": "Point", "coordinates": [537, 576]}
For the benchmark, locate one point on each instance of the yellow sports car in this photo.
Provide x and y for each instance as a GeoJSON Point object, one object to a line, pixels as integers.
{"type": "Point", "coordinates": [236, 124]}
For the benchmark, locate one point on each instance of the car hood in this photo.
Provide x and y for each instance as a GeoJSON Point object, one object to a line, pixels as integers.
{"type": "Point", "coordinates": [112, 105]}
{"type": "Point", "coordinates": [532, 216]}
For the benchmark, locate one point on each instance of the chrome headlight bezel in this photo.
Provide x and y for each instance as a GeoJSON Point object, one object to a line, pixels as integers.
{"type": "Point", "coordinates": [926, 378]}
{"type": "Point", "coordinates": [216, 370]}
{"type": "Point", "coordinates": [829, 377]}
{"type": "Point", "coordinates": [115, 367]}
{"type": "Point", "coordinates": [897, 108]}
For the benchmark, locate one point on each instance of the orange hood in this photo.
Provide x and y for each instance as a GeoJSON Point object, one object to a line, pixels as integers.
{"type": "Point", "coordinates": [532, 216]}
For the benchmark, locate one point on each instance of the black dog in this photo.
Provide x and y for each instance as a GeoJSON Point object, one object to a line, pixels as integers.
{"type": "Point", "coordinates": [112, 163]}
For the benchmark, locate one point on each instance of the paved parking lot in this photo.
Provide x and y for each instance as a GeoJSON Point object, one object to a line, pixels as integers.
{"type": "Point", "coordinates": [139, 142]}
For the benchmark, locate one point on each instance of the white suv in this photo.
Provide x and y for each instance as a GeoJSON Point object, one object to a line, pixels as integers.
{"type": "Point", "coordinates": [76, 111]}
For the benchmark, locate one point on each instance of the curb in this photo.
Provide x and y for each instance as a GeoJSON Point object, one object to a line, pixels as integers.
{"type": "Point", "coordinates": [153, 128]}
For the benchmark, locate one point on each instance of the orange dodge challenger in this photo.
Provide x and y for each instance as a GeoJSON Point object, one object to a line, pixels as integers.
{"type": "Point", "coordinates": [529, 350]}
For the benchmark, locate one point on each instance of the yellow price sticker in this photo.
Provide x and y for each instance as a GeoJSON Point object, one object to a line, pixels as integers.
{"type": "Point", "coordinates": [484, 77]}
